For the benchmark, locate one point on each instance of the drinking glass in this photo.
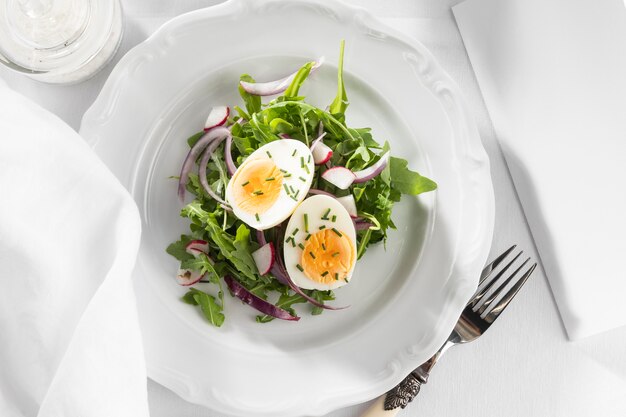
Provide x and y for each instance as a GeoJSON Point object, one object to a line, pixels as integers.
{"type": "Point", "coordinates": [59, 41]}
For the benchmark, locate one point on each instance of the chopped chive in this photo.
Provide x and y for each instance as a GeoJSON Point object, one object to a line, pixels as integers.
{"type": "Point", "coordinates": [287, 175]}
{"type": "Point", "coordinates": [286, 189]}
{"type": "Point", "coordinates": [268, 153]}
{"type": "Point", "coordinates": [283, 171]}
{"type": "Point", "coordinates": [301, 246]}
{"type": "Point", "coordinates": [324, 273]}
{"type": "Point", "coordinates": [294, 152]}
{"type": "Point", "coordinates": [293, 198]}
{"type": "Point", "coordinates": [258, 219]}
{"type": "Point", "coordinates": [292, 190]}
{"type": "Point", "coordinates": [323, 246]}
{"type": "Point", "coordinates": [307, 237]}
{"type": "Point", "coordinates": [302, 179]}
{"type": "Point", "coordinates": [270, 179]}
{"type": "Point", "coordinates": [296, 194]}
{"type": "Point", "coordinates": [346, 279]}
{"type": "Point", "coordinates": [335, 254]}
{"type": "Point", "coordinates": [306, 222]}
{"type": "Point", "coordinates": [322, 227]}
{"type": "Point", "coordinates": [299, 267]}
{"type": "Point", "coordinates": [337, 232]}
{"type": "Point", "coordinates": [306, 168]}
{"type": "Point", "coordinates": [245, 183]}
{"type": "Point", "coordinates": [296, 230]}
{"type": "Point", "coordinates": [326, 214]}
{"type": "Point", "coordinates": [334, 218]}
{"type": "Point", "coordinates": [302, 161]}
{"type": "Point", "coordinates": [258, 192]}
{"type": "Point", "coordinates": [336, 276]}
{"type": "Point", "coordinates": [312, 255]}
{"type": "Point", "coordinates": [293, 243]}
{"type": "Point", "coordinates": [309, 159]}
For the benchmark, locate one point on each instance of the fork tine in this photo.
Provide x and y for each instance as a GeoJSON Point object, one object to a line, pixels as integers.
{"type": "Point", "coordinates": [493, 265]}
{"type": "Point", "coordinates": [504, 302]}
{"type": "Point", "coordinates": [500, 288]}
{"type": "Point", "coordinates": [480, 294]}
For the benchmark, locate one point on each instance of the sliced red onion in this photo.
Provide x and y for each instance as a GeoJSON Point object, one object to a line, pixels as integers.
{"type": "Point", "coordinates": [226, 207]}
{"type": "Point", "coordinates": [264, 258]}
{"type": "Point", "coordinates": [203, 166]}
{"type": "Point", "coordinates": [228, 156]}
{"type": "Point", "coordinates": [340, 177]}
{"type": "Point", "coordinates": [203, 142]}
{"type": "Point", "coordinates": [372, 171]}
{"type": "Point", "coordinates": [360, 225]}
{"type": "Point", "coordinates": [217, 117]}
{"type": "Point", "coordinates": [274, 87]}
{"type": "Point", "coordinates": [258, 303]}
{"type": "Point", "coordinates": [284, 136]}
{"type": "Point", "coordinates": [260, 237]}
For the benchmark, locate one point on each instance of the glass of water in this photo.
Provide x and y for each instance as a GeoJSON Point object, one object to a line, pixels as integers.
{"type": "Point", "coordinates": [59, 41]}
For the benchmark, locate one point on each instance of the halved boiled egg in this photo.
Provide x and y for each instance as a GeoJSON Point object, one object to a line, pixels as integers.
{"type": "Point", "coordinates": [270, 183]}
{"type": "Point", "coordinates": [320, 244]}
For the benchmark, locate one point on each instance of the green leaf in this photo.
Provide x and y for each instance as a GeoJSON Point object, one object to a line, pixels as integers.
{"type": "Point", "coordinates": [407, 181]}
{"type": "Point", "coordinates": [253, 103]}
{"type": "Point", "coordinates": [202, 264]}
{"type": "Point", "coordinates": [301, 75]}
{"type": "Point", "coordinates": [340, 103]}
{"type": "Point", "coordinates": [194, 138]}
{"type": "Point", "coordinates": [178, 249]}
{"type": "Point", "coordinates": [209, 306]}
{"type": "Point", "coordinates": [285, 301]}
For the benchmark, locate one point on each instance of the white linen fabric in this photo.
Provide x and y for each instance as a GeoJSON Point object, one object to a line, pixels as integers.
{"type": "Point", "coordinates": [70, 344]}
{"type": "Point", "coordinates": [553, 77]}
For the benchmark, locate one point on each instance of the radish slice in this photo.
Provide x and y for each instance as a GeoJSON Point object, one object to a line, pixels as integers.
{"type": "Point", "coordinates": [370, 172]}
{"type": "Point", "coordinates": [340, 177]}
{"type": "Point", "coordinates": [217, 117]}
{"type": "Point", "coordinates": [322, 154]}
{"type": "Point", "coordinates": [274, 87]}
{"type": "Point", "coordinates": [264, 258]}
{"type": "Point", "coordinates": [187, 277]}
{"type": "Point", "coordinates": [317, 140]}
{"type": "Point", "coordinates": [349, 203]}
{"type": "Point", "coordinates": [210, 136]}
{"type": "Point", "coordinates": [196, 247]}
{"type": "Point", "coordinates": [258, 303]}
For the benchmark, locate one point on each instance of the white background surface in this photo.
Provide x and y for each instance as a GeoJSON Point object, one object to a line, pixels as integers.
{"type": "Point", "coordinates": [524, 366]}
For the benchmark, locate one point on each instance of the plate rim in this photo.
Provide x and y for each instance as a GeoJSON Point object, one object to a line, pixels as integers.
{"type": "Point", "coordinates": [447, 90]}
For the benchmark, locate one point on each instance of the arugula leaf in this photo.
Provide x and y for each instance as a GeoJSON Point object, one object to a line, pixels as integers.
{"type": "Point", "coordinates": [340, 103]}
{"type": "Point", "coordinates": [202, 264]}
{"type": "Point", "coordinates": [301, 75]}
{"type": "Point", "coordinates": [285, 301]}
{"type": "Point", "coordinates": [178, 249]}
{"type": "Point", "coordinates": [407, 181]}
{"type": "Point", "coordinates": [195, 138]}
{"type": "Point", "coordinates": [208, 305]}
{"type": "Point", "coordinates": [253, 103]}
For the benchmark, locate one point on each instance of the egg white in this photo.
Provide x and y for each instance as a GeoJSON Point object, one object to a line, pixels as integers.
{"type": "Point", "coordinates": [315, 207]}
{"type": "Point", "coordinates": [281, 152]}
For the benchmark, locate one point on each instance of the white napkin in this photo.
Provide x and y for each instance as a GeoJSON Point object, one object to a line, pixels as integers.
{"type": "Point", "coordinates": [553, 76]}
{"type": "Point", "coordinates": [69, 337]}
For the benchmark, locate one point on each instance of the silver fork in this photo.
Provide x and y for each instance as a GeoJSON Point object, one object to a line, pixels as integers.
{"type": "Point", "coordinates": [476, 318]}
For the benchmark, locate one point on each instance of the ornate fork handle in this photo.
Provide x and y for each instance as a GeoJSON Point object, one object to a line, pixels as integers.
{"type": "Point", "coordinates": [403, 393]}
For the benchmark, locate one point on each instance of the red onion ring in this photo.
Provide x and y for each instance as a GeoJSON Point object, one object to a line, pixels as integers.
{"type": "Point", "coordinates": [228, 156]}
{"type": "Point", "coordinates": [203, 167]}
{"type": "Point", "coordinates": [317, 140]}
{"type": "Point", "coordinates": [255, 302]}
{"type": "Point", "coordinates": [191, 157]}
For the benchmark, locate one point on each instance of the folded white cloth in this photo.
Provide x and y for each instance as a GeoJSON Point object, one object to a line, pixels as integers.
{"type": "Point", "coordinates": [553, 76]}
{"type": "Point", "coordinates": [69, 232]}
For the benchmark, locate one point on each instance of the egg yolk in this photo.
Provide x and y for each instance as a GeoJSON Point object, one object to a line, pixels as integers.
{"type": "Point", "coordinates": [257, 185]}
{"type": "Point", "coordinates": [328, 256]}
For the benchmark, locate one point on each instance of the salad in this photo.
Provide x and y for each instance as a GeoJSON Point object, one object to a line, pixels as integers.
{"type": "Point", "coordinates": [287, 198]}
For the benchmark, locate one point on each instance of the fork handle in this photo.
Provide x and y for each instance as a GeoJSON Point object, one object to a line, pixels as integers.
{"type": "Point", "coordinates": [389, 404]}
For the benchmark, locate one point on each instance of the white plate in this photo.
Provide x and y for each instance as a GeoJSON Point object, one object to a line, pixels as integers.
{"type": "Point", "coordinates": [404, 301]}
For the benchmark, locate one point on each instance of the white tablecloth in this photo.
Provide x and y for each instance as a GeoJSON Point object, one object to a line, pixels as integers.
{"type": "Point", "coordinates": [524, 366]}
